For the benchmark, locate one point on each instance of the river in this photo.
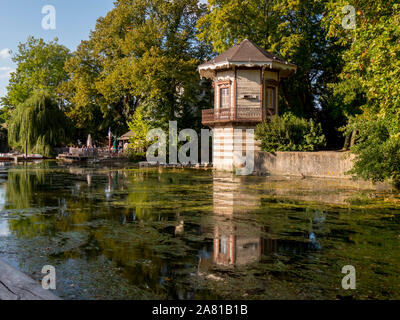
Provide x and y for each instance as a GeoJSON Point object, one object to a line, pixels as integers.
{"type": "Point", "coordinates": [129, 233]}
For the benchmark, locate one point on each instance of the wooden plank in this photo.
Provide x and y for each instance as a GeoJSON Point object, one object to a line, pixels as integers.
{"type": "Point", "coordinates": [15, 285]}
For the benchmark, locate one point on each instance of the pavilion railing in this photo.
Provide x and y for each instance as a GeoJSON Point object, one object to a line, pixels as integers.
{"type": "Point", "coordinates": [249, 114]}
{"type": "Point", "coordinates": [207, 116]}
{"type": "Point", "coordinates": [222, 114]}
{"type": "Point", "coordinates": [242, 114]}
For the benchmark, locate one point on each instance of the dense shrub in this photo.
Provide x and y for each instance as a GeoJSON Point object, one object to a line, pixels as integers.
{"type": "Point", "coordinates": [135, 155]}
{"type": "Point", "coordinates": [377, 149]}
{"type": "Point", "coordinates": [290, 133]}
{"type": "Point", "coordinates": [140, 125]}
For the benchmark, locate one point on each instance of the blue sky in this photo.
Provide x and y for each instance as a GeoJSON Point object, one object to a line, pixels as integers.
{"type": "Point", "coordinates": [22, 18]}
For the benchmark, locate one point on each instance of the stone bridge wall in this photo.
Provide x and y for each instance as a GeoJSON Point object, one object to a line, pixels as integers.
{"type": "Point", "coordinates": [332, 164]}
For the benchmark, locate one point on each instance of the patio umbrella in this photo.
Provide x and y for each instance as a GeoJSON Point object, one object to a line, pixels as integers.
{"type": "Point", "coordinates": [89, 141]}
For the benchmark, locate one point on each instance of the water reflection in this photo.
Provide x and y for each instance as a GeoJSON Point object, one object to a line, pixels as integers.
{"type": "Point", "coordinates": [233, 243]}
{"type": "Point", "coordinates": [146, 233]}
{"type": "Point", "coordinates": [4, 231]}
{"type": "Point", "coordinates": [236, 243]}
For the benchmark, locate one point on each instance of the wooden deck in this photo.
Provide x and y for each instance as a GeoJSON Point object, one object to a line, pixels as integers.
{"type": "Point", "coordinates": [15, 285]}
{"type": "Point", "coordinates": [72, 158]}
{"type": "Point", "coordinates": [19, 158]}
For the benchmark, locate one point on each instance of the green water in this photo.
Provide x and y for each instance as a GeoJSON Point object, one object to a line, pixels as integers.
{"type": "Point", "coordinates": [129, 233]}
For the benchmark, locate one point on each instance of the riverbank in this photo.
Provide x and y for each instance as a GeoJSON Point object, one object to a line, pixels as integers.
{"type": "Point", "coordinates": [14, 157]}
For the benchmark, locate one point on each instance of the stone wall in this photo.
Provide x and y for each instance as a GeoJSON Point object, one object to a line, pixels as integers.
{"type": "Point", "coordinates": [229, 145]}
{"type": "Point", "coordinates": [324, 164]}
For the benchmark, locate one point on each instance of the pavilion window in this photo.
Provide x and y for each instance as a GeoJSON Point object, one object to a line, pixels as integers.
{"type": "Point", "coordinates": [271, 99]}
{"type": "Point", "coordinates": [223, 245]}
{"type": "Point", "coordinates": [224, 98]}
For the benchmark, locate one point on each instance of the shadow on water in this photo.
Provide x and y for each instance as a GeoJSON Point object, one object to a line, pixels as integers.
{"type": "Point", "coordinates": [129, 233]}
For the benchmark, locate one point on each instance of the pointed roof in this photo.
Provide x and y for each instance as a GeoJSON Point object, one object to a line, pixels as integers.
{"type": "Point", "coordinates": [126, 136]}
{"type": "Point", "coordinates": [246, 53]}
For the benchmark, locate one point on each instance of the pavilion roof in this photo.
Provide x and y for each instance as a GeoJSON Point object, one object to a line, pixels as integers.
{"type": "Point", "coordinates": [247, 54]}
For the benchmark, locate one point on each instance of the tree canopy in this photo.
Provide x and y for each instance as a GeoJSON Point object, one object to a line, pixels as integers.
{"type": "Point", "coordinates": [348, 78]}
{"type": "Point", "coordinates": [292, 29]}
{"type": "Point", "coordinates": [138, 67]}
{"type": "Point", "coordinates": [143, 52]}
{"type": "Point", "coordinates": [39, 124]}
{"type": "Point", "coordinates": [40, 66]}
{"type": "Point", "coordinates": [370, 81]}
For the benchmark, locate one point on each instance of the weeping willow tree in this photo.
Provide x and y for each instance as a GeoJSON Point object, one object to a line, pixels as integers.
{"type": "Point", "coordinates": [39, 124]}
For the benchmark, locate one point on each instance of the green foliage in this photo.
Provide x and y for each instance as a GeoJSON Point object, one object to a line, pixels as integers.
{"type": "Point", "coordinates": [290, 133]}
{"type": "Point", "coordinates": [292, 29]}
{"type": "Point", "coordinates": [40, 123]}
{"type": "Point", "coordinates": [377, 150]}
{"type": "Point", "coordinates": [140, 125]}
{"type": "Point", "coordinates": [370, 81]}
{"type": "Point", "coordinates": [142, 53]}
{"type": "Point", "coordinates": [4, 114]}
{"type": "Point", "coordinates": [135, 155]}
{"type": "Point", "coordinates": [40, 66]}
{"type": "Point", "coordinates": [371, 75]}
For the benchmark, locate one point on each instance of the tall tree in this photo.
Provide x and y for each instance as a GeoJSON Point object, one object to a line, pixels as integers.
{"type": "Point", "coordinates": [370, 80]}
{"type": "Point", "coordinates": [144, 52]}
{"type": "Point", "coordinates": [40, 66]}
{"type": "Point", "coordinates": [291, 29]}
{"type": "Point", "coordinates": [39, 124]}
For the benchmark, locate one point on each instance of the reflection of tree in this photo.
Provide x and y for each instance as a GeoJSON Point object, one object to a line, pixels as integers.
{"type": "Point", "coordinates": [82, 223]}
{"type": "Point", "coordinates": [30, 194]}
{"type": "Point", "coordinates": [155, 226]}
{"type": "Point", "coordinates": [21, 187]}
{"type": "Point", "coordinates": [152, 192]}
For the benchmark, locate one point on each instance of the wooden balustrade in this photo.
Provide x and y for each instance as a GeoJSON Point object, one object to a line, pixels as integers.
{"type": "Point", "coordinates": [207, 116]}
{"type": "Point", "coordinates": [251, 114]}
{"type": "Point", "coordinates": [222, 114]}
{"type": "Point", "coordinates": [210, 116]}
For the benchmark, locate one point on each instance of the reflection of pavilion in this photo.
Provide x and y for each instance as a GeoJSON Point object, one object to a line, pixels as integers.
{"type": "Point", "coordinates": [234, 243]}
{"type": "Point", "coordinates": [233, 246]}
{"type": "Point", "coordinates": [237, 240]}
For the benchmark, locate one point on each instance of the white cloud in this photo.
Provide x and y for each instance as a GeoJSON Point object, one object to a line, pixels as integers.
{"type": "Point", "coordinates": [5, 72]}
{"type": "Point", "coordinates": [5, 53]}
